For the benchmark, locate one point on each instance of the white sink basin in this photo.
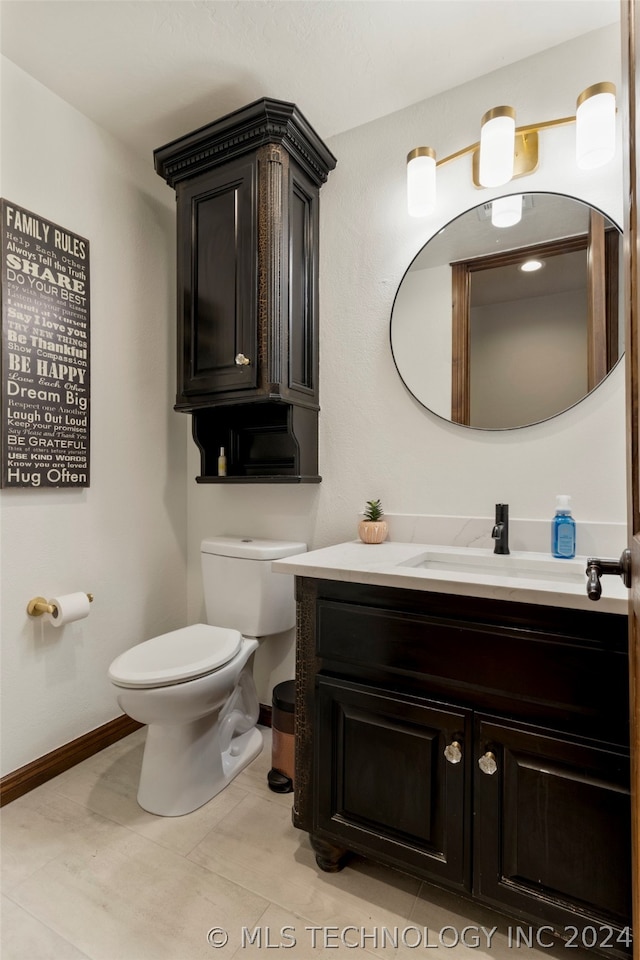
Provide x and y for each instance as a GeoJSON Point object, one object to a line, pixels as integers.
{"type": "Point", "coordinates": [521, 565]}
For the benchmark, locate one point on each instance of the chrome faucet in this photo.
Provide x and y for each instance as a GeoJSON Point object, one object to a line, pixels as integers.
{"type": "Point", "coordinates": [500, 532]}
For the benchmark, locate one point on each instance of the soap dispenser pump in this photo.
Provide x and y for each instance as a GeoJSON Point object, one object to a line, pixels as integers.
{"type": "Point", "coordinates": [563, 530]}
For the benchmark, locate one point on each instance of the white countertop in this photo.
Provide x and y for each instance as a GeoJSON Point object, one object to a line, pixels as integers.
{"type": "Point", "coordinates": [388, 564]}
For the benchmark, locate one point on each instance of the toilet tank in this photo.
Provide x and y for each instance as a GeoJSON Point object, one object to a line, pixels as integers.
{"type": "Point", "coordinates": [241, 592]}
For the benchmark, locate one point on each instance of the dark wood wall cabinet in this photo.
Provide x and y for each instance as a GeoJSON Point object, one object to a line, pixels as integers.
{"type": "Point", "coordinates": [247, 192]}
{"type": "Point", "coordinates": [479, 744]}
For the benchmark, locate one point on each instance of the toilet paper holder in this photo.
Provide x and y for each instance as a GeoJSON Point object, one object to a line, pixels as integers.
{"type": "Point", "coordinates": [39, 605]}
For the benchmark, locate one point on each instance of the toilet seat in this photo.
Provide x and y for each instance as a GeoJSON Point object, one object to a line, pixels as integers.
{"type": "Point", "coordinates": [175, 657]}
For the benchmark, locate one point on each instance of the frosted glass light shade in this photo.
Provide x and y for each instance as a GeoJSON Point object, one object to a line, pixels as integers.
{"type": "Point", "coordinates": [497, 145]}
{"type": "Point", "coordinates": [596, 126]}
{"type": "Point", "coordinates": [421, 181]}
{"type": "Point", "coordinates": [506, 211]}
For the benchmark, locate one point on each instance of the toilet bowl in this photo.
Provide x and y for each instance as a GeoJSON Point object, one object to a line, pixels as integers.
{"type": "Point", "coordinates": [199, 737]}
{"type": "Point", "coordinates": [194, 687]}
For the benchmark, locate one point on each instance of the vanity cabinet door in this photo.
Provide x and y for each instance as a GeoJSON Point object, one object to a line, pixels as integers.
{"type": "Point", "coordinates": [552, 831]}
{"type": "Point", "coordinates": [384, 784]}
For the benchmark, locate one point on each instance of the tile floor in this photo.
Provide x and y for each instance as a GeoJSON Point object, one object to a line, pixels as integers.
{"type": "Point", "coordinates": [88, 875]}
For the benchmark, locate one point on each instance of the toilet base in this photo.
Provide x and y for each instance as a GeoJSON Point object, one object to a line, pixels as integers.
{"type": "Point", "coordinates": [183, 768]}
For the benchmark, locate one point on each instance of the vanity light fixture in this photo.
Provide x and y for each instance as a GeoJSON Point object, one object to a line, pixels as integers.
{"type": "Point", "coordinates": [421, 181]}
{"type": "Point", "coordinates": [506, 211]}
{"type": "Point", "coordinates": [497, 146]}
{"type": "Point", "coordinates": [596, 126]}
{"type": "Point", "coordinates": [505, 151]}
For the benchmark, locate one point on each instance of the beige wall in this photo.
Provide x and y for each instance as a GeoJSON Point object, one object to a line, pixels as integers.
{"type": "Point", "coordinates": [528, 358]}
{"type": "Point", "coordinates": [123, 538]}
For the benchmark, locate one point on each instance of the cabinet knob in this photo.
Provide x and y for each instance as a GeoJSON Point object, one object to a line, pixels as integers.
{"type": "Point", "coordinates": [487, 763]}
{"type": "Point", "coordinates": [241, 360]}
{"type": "Point", "coordinates": [453, 752]}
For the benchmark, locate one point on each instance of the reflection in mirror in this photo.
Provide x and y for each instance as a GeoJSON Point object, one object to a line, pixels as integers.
{"type": "Point", "coordinates": [482, 342]}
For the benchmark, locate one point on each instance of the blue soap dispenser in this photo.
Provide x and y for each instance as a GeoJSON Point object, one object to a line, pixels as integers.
{"type": "Point", "coordinates": [563, 529]}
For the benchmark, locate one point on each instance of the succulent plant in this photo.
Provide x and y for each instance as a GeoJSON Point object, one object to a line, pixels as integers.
{"type": "Point", "coordinates": [373, 510]}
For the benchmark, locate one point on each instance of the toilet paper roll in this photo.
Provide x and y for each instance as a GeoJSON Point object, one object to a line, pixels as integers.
{"type": "Point", "coordinates": [69, 607]}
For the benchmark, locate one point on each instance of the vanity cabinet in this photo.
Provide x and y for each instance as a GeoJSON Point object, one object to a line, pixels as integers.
{"type": "Point", "coordinates": [479, 744]}
{"type": "Point", "coordinates": [247, 193]}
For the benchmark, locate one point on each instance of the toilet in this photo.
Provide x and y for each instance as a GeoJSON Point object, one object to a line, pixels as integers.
{"type": "Point", "coordinates": [194, 687]}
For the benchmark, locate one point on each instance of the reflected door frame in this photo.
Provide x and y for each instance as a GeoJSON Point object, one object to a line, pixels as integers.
{"type": "Point", "coordinates": [601, 247]}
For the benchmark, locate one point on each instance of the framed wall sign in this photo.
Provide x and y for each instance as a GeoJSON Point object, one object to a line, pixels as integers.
{"type": "Point", "coordinates": [45, 352]}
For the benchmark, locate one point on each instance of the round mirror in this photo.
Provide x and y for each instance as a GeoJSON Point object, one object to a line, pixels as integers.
{"type": "Point", "coordinates": [501, 326]}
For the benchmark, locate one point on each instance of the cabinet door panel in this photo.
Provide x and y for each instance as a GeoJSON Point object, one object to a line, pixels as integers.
{"type": "Point", "coordinates": [303, 245]}
{"type": "Point", "coordinates": [384, 784]}
{"type": "Point", "coordinates": [215, 301]}
{"type": "Point", "coordinates": [553, 827]}
{"type": "Point", "coordinates": [379, 756]}
{"type": "Point", "coordinates": [217, 276]}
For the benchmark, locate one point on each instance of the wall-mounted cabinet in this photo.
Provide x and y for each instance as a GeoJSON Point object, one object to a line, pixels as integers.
{"type": "Point", "coordinates": [247, 192]}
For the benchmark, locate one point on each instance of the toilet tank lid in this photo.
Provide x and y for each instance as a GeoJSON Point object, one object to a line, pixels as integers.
{"type": "Point", "coordinates": [251, 548]}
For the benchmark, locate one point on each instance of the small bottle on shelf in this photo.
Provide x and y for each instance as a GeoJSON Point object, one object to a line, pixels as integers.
{"type": "Point", "coordinates": [563, 530]}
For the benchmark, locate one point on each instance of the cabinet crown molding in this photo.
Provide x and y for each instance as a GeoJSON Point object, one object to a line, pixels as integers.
{"type": "Point", "coordinates": [242, 131]}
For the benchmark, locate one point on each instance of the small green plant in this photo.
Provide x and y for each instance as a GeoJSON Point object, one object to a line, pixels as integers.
{"type": "Point", "coordinates": [373, 510]}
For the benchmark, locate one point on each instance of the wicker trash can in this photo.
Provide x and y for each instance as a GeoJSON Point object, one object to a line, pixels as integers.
{"type": "Point", "coordinates": [280, 777]}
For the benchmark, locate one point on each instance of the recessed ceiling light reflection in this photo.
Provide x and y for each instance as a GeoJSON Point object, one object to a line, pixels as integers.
{"type": "Point", "coordinates": [530, 266]}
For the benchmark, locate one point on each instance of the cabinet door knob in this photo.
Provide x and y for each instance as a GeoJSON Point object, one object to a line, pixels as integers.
{"type": "Point", "coordinates": [487, 763]}
{"type": "Point", "coordinates": [241, 360]}
{"type": "Point", "coordinates": [453, 752]}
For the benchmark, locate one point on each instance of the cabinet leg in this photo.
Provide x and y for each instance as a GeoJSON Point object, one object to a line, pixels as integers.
{"type": "Point", "coordinates": [329, 857]}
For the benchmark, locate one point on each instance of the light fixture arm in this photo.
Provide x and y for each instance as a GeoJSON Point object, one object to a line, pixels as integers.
{"type": "Point", "coordinates": [545, 124]}
{"type": "Point", "coordinates": [520, 131]}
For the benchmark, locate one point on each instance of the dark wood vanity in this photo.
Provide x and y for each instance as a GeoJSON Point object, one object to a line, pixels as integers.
{"type": "Point", "coordinates": [479, 744]}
